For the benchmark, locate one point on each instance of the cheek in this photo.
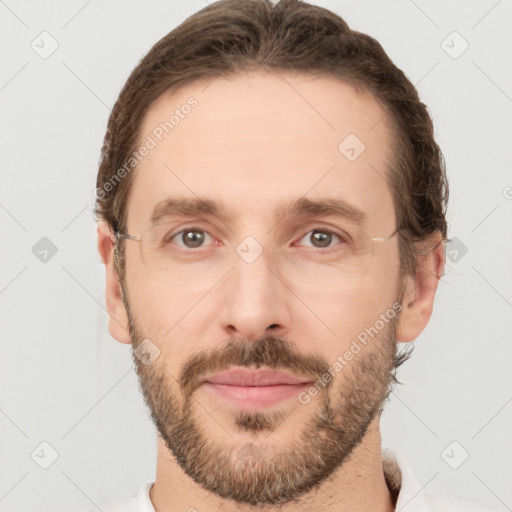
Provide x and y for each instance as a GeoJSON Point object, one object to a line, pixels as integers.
{"type": "Point", "coordinates": [170, 320]}
{"type": "Point", "coordinates": [163, 314]}
{"type": "Point", "coordinates": [157, 307]}
{"type": "Point", "coordinates": [346, 312]}
{"type": "Point", "coordinates": [350, 312]}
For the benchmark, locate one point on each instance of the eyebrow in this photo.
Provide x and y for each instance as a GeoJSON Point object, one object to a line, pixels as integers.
{"type": "Point", "coordinates": [302, 208]}
{"type": "Point", "coordinates": [193, 206]}
{"type": "Point", "coordinates": [306, 208]}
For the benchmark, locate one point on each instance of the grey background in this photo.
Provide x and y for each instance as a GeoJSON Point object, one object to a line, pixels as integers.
{"type": "Point", "coordinates": [65, 381]}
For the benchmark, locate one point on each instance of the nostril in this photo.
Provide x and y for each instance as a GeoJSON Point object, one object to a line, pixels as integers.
{"type": "Point", "coordinates": [273, 326]}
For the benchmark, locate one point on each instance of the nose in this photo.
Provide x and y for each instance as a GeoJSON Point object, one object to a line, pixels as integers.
{"type": "Point", "coordinates": [255, 301]}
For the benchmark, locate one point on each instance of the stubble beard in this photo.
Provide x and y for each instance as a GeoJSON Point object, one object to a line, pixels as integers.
{"type": "Point", "coordinates": [267, 469]}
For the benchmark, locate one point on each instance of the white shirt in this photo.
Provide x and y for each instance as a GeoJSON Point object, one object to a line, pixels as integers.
{"type": "Point", "coordinates": [399, 476]}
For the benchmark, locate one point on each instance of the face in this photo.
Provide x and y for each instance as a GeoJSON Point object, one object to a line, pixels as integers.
{"type": "Point", "coordinates": [258, 286]}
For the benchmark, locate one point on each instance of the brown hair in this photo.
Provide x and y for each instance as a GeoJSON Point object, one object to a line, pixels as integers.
{"type": "Point", "coordinates": [232, 36]}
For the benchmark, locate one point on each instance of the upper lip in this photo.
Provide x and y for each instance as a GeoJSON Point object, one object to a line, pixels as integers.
{"type": "Point", "coordinates": [241, 377]}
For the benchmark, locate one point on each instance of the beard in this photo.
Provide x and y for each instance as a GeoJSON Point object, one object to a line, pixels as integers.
{"type": "Point", "coordinates": [255, 472]}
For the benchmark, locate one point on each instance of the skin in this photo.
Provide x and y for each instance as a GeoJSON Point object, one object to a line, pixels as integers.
{"type": "Point", "coordinates": [253, 141]}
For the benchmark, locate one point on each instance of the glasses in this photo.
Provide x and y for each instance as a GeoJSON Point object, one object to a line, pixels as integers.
{"type": "Point", "coordinates": [319, 258]}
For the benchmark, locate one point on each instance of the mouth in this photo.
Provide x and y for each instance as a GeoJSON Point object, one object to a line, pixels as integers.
{"type": "Point", "coordinates": [249, 390]}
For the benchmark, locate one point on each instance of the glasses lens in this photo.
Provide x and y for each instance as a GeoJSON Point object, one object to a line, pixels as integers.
{"type": "Point", "coordinates": [340, 265]}
{"type": "Point", "coordinates": [188, 259]}
{"type": "Point", "coordinates": [185, 259]}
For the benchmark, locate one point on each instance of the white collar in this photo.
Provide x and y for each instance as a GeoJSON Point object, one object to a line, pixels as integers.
{"type": "Point", "coordinates": [402, 481]}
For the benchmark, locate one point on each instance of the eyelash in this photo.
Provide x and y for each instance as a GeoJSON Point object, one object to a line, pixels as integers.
{"type": "Point", "coordinates": [325, 250]}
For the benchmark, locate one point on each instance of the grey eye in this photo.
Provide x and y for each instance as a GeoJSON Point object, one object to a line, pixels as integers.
{"type": "Point", "coordinates": [321, 238]}
{"type": "Point", "coordinates": [191, 238]}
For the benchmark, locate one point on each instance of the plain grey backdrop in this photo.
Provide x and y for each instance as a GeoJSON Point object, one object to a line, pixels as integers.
{"type": "Point", "coordinates": [74, 431]}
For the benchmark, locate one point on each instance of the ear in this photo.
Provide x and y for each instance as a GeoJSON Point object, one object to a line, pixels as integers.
{"type": "Point", "coordinates": [419, 291]}
{"type": "Point", "coordinates": [118, 317]}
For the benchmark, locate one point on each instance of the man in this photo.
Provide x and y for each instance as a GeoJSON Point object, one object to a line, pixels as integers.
{"type": "Point", "coordinates": [271, 213]}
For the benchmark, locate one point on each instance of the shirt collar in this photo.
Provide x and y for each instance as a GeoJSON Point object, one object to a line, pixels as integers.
{"type": "Point", "coordinates": [402, 482]}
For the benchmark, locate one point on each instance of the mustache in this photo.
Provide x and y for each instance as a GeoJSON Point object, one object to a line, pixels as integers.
{"type": "Point", "coordinates": [268, 351]}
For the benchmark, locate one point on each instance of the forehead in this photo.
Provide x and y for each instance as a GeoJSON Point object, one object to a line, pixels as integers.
{"type": "Point", "coordinates": [258, 140]}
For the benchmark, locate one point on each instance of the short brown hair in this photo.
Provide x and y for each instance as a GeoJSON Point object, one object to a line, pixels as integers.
{"type": "Point", "coordinates": [232, 36]}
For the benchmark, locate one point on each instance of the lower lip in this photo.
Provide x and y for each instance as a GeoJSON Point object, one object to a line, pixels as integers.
{"type": "Point", "coordinates": [249, 397]}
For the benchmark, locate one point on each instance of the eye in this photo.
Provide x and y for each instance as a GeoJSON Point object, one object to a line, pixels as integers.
{"type": "Point", "coordinates": [321, 238]}
{"type": "Point", "coordinates": [190, 238]}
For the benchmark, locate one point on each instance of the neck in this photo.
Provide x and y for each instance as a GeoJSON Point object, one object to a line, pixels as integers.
{"type": "Point", "coordinates": [358, 485]}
